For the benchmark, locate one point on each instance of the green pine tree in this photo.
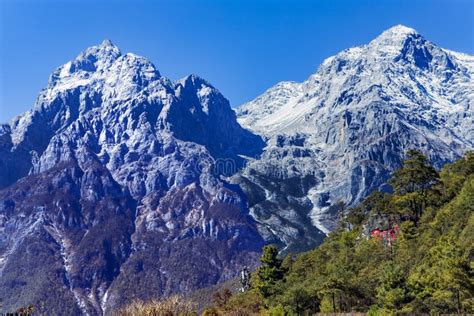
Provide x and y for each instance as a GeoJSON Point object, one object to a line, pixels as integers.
{"type": "Point", "coordinates": [270, 272]}
{"type": "Point", "coordinates": [412, 184]}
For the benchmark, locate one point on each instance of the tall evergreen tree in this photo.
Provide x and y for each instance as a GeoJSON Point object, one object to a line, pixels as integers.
{"type": "Point", "coordinates": [270, 272]}
{"type": "Point", "coordinates": [412, 184]}
{"type": "Point", "coordinates": [392, 292]}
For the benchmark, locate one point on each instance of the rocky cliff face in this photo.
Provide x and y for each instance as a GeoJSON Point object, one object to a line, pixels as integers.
{"type": "Point", "coordinates": [121, 184]}
{"type": "Point", "coordinates": [338, 135]}
{"type": "Point", "coordinates": [111, 191]}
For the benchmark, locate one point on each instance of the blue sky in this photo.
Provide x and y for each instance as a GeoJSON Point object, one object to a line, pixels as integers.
{"type": "Point", "coordinates": [241, 47]}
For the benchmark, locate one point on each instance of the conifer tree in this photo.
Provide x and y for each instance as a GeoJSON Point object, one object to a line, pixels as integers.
{"type": "Point", "coordinates": [412, 183]}
{"type": "Point", "coordinates": [270, 272]}
{"type": "Point", "coordinates": [392, 291]}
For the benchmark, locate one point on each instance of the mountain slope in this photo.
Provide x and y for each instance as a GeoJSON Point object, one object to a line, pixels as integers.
{"type": "Point", "coordinates": [386, 257]}
{"type": "Point", "coordinates": [128, 185]}
{"type": "Point", "coordinates": [118, 191]}
{"type": "Point", "coordinates": [346, 127]}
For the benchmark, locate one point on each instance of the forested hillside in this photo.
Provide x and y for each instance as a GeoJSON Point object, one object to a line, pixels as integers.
{"type": "Point", "coordinates": [407, 251]}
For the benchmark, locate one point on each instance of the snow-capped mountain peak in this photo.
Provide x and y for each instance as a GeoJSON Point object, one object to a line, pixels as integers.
{"type": "Point", "coordinates": [99, 64]}
{"type": "Point", "coordinates": [107, 43]}
{"type": "Point", "coordinates": [115, 175]}
{"type": "Point", "coordinates": [399, 67]}
{"type": "Point", "coordinates": [92, 59]}
{"type": "Point", "coordinates": [395, 35]}
{"type": "Point", "coordinates": [391, 42]}
{"type": "Point", "coordinates": [348, 125]}
{"type": "Point", "coordinates": [129, 160]}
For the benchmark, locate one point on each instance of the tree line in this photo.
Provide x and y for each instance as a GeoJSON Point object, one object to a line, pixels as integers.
{"type": "Point", "coordinates": [422, 263]}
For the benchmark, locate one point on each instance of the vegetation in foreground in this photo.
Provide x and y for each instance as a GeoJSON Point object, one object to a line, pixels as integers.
{"type": "Point", "coordinates": [410, 251]}
{"type": "Point", "coordinates": [174, 305]}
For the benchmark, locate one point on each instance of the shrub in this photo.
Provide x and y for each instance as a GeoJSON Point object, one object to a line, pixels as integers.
{"type": "Point", "coordinates": [174, 305]}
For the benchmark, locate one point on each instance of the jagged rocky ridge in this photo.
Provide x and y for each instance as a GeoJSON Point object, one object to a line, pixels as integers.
{"type": "Point", "coordinates": [114, 186]}
{"type": "Point", "coordinates": [110, 190]}
{"type": "Point", "coordinates": [338, 135]}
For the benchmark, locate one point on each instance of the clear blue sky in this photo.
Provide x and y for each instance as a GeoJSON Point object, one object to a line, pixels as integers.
{"type": "Point", "coordinates": [241, 47]}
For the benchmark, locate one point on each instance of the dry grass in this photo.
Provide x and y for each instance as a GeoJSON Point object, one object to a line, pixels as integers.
{"type": "Point", "coordinates": [172, 306]}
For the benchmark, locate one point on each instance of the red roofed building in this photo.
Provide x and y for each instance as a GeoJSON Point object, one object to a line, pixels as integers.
{"type": "Point", "coordinates": [387, 235]}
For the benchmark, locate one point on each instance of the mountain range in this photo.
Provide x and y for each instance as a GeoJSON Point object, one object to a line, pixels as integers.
{"type": "Point", "coordinates": [337, 136]}
{"type": "Point", "coordinates": [120, 183]}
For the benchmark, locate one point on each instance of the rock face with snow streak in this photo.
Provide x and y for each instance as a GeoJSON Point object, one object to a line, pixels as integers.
{"type": "Point", "coordinates": [338, 135]}
{"type": "Point", "coordinates": [114, 186]}
{"type": "Point", "coordinates": [109, 189]}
